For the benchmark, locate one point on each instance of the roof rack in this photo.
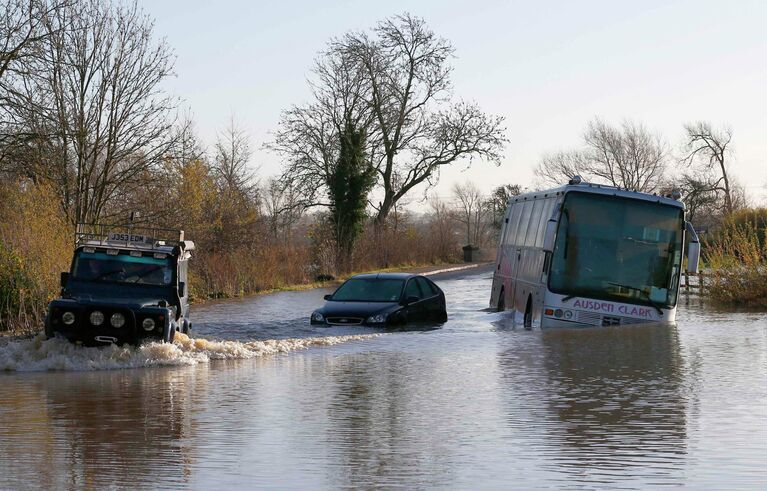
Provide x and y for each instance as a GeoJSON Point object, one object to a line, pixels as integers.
{"type": "Point", "coordinates": [129, 236]}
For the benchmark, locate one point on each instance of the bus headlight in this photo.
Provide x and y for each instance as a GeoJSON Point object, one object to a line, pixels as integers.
{"type": "Point", "coordinates": [568, 314]}
{"type": "Point", "coordinates": [117, 320]}
{"type": "Point", "coordinates": [148, 324]}
{"type": "Point", "coordinates": [97, 318]}
{"type": "Point", "coordinates": [68, 318]}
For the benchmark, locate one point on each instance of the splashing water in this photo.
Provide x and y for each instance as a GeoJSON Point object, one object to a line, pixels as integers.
{"type": "Point", "coordinates": [40, 354]}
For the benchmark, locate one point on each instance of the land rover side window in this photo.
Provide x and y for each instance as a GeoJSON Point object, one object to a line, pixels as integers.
{"type": "Point", "coordinates": [620, 249]}
{"type": "Point", "coordinates": [122, 268]}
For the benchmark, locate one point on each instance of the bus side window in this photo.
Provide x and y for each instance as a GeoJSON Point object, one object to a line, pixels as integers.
{"type": "Point", "coordinates": [524, 222]}
{"type": "Point", "coordinates": [511, 232]}
{"type": "Point", "coordinates": [548, 208]}
{"type": "Point", "coordinates": [535, 223]}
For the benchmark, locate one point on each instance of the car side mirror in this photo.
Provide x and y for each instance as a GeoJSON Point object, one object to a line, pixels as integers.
{"type": "Point", "coordinates": [328, 296]}
{"type": "Point", "coordinates": [411, 299]}
{"type": "Point", "coordinates": [64, 279]}
{"type": "Point", "coordinates": [181, 289]}
{"type": "Point", "coordinates": [550, 236]}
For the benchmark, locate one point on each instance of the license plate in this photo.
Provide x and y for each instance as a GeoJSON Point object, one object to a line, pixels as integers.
{"type": "Point", "coordinates": [129, 238]}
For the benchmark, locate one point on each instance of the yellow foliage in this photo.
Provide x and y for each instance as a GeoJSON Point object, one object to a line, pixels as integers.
{"type": "Point", "coordinates": [35, 245]}
{"type": "Point", "coordinates": [738, 258]}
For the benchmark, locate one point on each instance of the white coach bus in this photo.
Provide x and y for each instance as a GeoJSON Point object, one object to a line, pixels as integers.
{"type": "Point", "coordinates": [592, 255]}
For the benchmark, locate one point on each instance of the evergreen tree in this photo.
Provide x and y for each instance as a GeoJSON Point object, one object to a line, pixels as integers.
{"type": "Point", "coordinates": [349, 183]}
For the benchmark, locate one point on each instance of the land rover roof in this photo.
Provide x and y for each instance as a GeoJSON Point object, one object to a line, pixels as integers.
{"type": "Point", "coordinates": [167, 241]}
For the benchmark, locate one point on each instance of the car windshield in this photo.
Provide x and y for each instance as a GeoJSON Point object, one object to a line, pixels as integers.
{"type": "Point", "coordinates": [619, 249]}
{"type": "Point", "coordinates": [122, 268]}
{"type": "Point", "coordinates": [369, 290]}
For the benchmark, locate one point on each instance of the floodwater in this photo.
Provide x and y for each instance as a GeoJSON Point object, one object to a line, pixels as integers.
{"type": "Point", "coordinates": [266, 400]}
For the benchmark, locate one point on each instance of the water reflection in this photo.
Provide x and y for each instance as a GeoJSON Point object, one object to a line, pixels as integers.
{"type": "Point", "coordinates": [85, 434]}
{"type": "Point", "coordinates": [603, 400]}
{"type": "Point", "coordinates": [379, 419]}
{"type": "Point", "coordinates": [476, 403]}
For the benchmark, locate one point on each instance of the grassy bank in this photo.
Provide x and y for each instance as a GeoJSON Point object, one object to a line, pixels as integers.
{"type": "Point", "coordinates": [737, 256]}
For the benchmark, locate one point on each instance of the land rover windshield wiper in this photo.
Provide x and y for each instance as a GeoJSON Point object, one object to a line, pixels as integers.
{"type": "Point", "coordinates": [645, 295]}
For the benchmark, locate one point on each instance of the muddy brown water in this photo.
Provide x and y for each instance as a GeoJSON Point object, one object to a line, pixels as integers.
{"type": "Point", "coordinates": [259, 398]}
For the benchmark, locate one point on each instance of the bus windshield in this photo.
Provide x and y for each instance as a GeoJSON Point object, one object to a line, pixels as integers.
{"type": "Point", "coordinates": [619, 249]}
{"type": "Point", "coordinates": [122, 268]}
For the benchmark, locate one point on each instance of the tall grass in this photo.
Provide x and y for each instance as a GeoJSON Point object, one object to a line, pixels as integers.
{"type": "Point", "coordinates": [737, 255]}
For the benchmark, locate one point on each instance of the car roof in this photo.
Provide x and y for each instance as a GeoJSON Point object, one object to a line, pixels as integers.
{"type": "Point", "coordinates": [384, 276]}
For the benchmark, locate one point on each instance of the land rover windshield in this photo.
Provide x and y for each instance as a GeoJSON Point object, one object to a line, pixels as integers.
{"type": "Point", "coordinates": [122, 268]}
{"type": "Point", "coordinates": [620, 249]}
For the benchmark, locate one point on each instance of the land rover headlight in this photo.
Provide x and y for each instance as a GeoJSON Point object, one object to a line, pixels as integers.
{"type": "Point", "coordinates": [117, 320]}
{"type": "Point", "coordinates": [97, 318]}
{"type": "Point", "coordinates": [68, 318]}
{"type": "Point", "coordinates": [377, 319]}
{"type": "Point", "coordinates": [317, 317]}
{"type": "Point", "coordinates": [148, 324]}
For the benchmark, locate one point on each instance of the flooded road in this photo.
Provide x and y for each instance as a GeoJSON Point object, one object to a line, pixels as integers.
{"type": "Point", "coordinates": [271, 401]}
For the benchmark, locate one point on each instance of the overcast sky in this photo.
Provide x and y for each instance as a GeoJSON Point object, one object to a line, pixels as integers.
{"type": "Point", "coordinates": [548, 67]}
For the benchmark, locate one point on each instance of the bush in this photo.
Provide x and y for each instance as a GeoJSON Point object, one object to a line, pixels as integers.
{"type": "Point", "coordinates": [35, 246]}
{"type": "Point", "coordinates": [737, 255]}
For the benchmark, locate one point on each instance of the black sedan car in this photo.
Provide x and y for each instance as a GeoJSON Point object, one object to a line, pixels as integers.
{"type": "Point", "coordinates": [383, 299]}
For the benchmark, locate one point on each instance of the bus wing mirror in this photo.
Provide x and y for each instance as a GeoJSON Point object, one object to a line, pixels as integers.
{"type": "Point", "coordinates": [693, 257]}
{"type": "Point", "coordinates": [550, 235]}
{"type": "Point", "coordinates": [64, 279]}
{"type": "Point", "coordinates": [693, 249]}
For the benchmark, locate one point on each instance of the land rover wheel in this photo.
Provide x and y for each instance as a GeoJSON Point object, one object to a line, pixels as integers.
{"type": "Point", "coordinates": [185, 326]}
{"type": "Point", "coordinates": [48, 327]}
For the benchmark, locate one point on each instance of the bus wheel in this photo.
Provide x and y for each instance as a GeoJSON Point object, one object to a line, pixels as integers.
{"type": "Point", "coordinates": [501, 301]}
{"type": "Point", "coordinates": [529, 315]}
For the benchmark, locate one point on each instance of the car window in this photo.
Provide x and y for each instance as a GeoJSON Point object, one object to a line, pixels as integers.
{"type": "Point", "coordinates": [369, 290]}
{"type": "Point", "coordinates": [412, 290]}
{"type": "Point", "coordinates": [426, 287]}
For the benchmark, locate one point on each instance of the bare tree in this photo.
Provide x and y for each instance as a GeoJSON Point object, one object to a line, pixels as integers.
{"type": "Point", "coordinates": [22, 30]}
{"type": "Point", "coordinates": [710, 149]}
{"type": "Point", "coordinates": [629, 157]}
{"type": "Point", "coordinates": [441, 223]}
{"type": "Point", "coordinates": [93, 102]}
{"type": "Point", "coordinates": [308, 136]}
{"type": "Point", "coordinates": [231, 164]}
{"type": "Point", "coordinates": [394, 83]}
{"type": "Point", "coordinates": [283, 208]}
{"type": "Point", "coordinates": [557, 168]}
{"type": "Point", "coordinates": [472, 212]}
